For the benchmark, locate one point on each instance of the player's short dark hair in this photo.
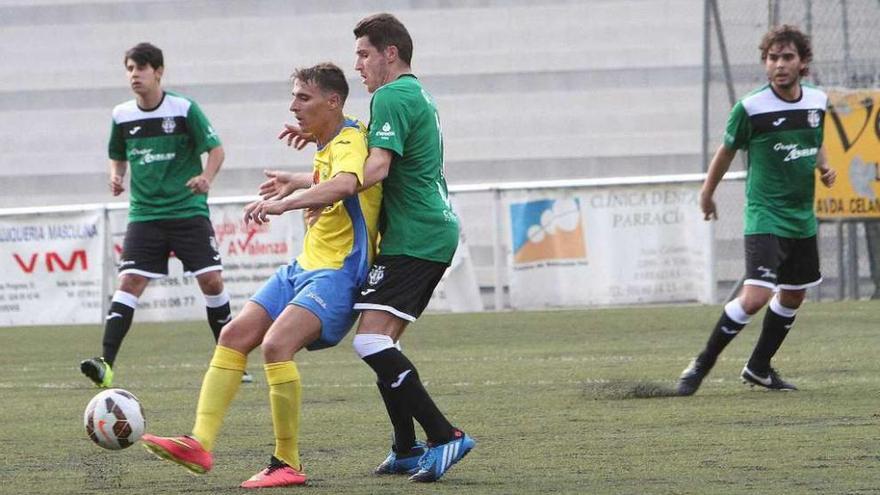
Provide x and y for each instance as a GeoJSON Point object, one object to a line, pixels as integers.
{"type": "Point", "coordinates": [145, 54]}
{"type": "Point", "coordinates": [327, 76]}
{"type": "Point", "coordinates": [784, 35]}
{"type": "Point", "coordinates": [384, 30]}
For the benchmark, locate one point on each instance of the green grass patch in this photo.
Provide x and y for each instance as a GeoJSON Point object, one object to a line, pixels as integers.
{"type": "Point", "coordinates": [559, 402]}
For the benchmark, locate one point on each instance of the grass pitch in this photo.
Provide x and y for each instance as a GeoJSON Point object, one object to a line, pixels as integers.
{"type": "Point", "coordinates": [559, 402]}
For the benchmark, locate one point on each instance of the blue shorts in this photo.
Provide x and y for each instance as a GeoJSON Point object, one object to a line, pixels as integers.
{"type": "Point", "coordinates": [328, 294]}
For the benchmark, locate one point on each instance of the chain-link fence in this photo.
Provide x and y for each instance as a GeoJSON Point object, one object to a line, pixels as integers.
{"type": "Point", "coordinates": [845, 55]}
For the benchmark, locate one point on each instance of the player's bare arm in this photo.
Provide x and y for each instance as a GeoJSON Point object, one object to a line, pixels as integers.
{"type": "Point", "coordinates": [201, 183]}
{"type": "Point", "coordinates": [281, 184]}
{"type": "Point", "coordinates": [377, 166]}
{"type": "Point", "coordinates": [717, 168]}
{"type": "Point", "coordinates": [326, 193]}
{"type": "Point", "coordinates": [117, 174]}
{"type": "Point", "coordinates": [826, 174]}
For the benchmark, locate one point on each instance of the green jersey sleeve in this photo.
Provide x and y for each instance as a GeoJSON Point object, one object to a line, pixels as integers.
{"type": "Point", "coordinates": [739, 128]}
{"type": "Point", "coordinates": [200, 130]}
{"type": "Point", "coordinates": [388, 123]}
{"type": "Point", "coordinates": [116, 148]}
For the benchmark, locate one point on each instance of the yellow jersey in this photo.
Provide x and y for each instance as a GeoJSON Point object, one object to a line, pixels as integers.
{"type": "Point", "coordinates": [345, 233]}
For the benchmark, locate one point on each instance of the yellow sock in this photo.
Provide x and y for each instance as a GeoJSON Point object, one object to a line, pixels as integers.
{"type": "Point", "coordinates": [218, 389]}
{"type": "Point", "coordinates": [284, 397]}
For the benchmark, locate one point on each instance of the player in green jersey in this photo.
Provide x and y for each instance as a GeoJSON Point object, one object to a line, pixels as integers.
{"type": "Point", "coordinates": [780, 125]}
{"type": "Point", "coordinates": [161, 136]}
{"type": "Point", "coordinates": [419, 235]}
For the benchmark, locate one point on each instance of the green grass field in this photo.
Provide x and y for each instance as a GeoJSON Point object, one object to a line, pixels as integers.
{"type": "Point", "coordinates": [548, 396]}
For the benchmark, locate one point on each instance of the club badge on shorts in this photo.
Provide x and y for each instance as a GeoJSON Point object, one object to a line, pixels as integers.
{"type": "Point", "coordinates": [377, 273]}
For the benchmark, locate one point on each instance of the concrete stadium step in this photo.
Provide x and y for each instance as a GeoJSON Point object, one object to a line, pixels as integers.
{"type": "Point", "coordinates": [268, 43]}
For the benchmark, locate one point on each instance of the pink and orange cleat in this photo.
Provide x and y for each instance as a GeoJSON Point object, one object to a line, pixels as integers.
{"type": "Point", "coordinates": [277, 474]}
{"type": "Point", "coordinates": [185, 450]}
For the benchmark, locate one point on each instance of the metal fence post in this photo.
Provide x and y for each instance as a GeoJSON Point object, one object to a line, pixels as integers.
{"type": "Point", "coordinates": [497, 254]}
{"type": "Point", "coordinates": [106, 265]}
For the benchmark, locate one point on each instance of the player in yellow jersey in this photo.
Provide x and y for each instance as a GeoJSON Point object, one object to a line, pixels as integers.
{"type": "Point", "coordinates": [305, 304]}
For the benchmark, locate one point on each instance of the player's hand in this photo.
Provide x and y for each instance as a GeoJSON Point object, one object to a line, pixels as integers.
{"type": "Point", "coordinates": [828, 176]}
{"type": "Point", "coordinates": [199, 184]}
{"type": "Point", "coordinates": [296, 136]}
{"type": "Point", "coordinates": [707, 205]}
{"type": "Point", "coordinates": [311, 215]}
{"type": "Point", "coordinates": [116, 187]}
{"type": "Point", "coordinates": [259, 211]}
{"type": "Point", "coordinates": [279, 185]}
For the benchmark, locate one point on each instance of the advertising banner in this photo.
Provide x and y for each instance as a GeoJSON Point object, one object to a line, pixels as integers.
{"type": "Point", "coordinates": [52, 266]}
{"type": "Point", "coordinates": [601, 246]}
{"type": "Point", "coordinates": [852, 146]}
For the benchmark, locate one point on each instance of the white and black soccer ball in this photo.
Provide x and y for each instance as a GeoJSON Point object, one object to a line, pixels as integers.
{"type": "Point", "coordinates": [114, 419]}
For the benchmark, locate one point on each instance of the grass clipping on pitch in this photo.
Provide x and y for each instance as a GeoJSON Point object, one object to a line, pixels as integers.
{"type": "Point", "coordinates": [620, 389]}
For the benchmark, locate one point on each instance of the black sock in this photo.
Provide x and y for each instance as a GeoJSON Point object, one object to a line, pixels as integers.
{"type": "Point", "coordinates": [724, 332]}
{"type": "Point", "coordinates": [396, 372]}
{"type": "Point", "coordinates": [773, 332]}
{"type": "Point", "coordinates": [401, 419]}
{"type": "Point", "coordinates": [117, 323]}
{"type": "Point", "coordinates": [217, 317]}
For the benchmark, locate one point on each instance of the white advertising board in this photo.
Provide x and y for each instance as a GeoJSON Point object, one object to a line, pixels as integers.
{"type": "Point", "coordinates": [52, 267]}
{"type": "Point", "coordinates": [606, 246]}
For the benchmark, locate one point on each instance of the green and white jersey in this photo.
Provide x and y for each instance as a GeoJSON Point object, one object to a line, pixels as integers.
{"type": "Point", "coordinates": [783, 140]}
{"type": "Point", "coordinates": [163, 148]}
{"type": "Point", "coordinates": [416, 218]}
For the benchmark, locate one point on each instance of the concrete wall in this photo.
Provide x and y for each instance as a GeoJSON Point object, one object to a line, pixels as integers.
{"type": "Point", "coordinates": [526, 90]}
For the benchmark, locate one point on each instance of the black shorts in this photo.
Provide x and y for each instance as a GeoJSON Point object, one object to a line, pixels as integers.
{"type": "Point", "coordinates": [148, 245]}
{"type": "Point", "coordinates": [400, 285]}
{"type": "Point", "coordinates": [781, 262]}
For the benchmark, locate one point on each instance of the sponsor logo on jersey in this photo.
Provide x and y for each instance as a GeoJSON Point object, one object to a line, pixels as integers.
{"type": "Point", "coordinates": [793, 152]}
{"type": "Point", "coordinates": [778, 122]}
{"type": "Point", "coordinates": [168, 125]}
{"type": "Point", "coordinates": [149, 157]}
{"type": "Point", "coordinates": [134, 130]}
{"type": "Point", "coordinates": [813, 118]}
{"type": "Point", "coordinates": [386, 131]}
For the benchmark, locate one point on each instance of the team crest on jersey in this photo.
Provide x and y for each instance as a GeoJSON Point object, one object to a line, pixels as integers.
{"type": "Point", "coordinates": [376, 274]}
{"type": "Point", "coordinates": [168, 125]}
{"type": "Point", "coordinates": [813, 118]}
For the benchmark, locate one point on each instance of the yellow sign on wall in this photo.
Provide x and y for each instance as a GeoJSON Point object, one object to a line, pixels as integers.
{"type": "Point", "coordinates": [852, 145]}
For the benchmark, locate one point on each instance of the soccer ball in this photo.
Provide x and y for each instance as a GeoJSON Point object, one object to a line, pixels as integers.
{"type": "Point", "coordinates": [114, 419]}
